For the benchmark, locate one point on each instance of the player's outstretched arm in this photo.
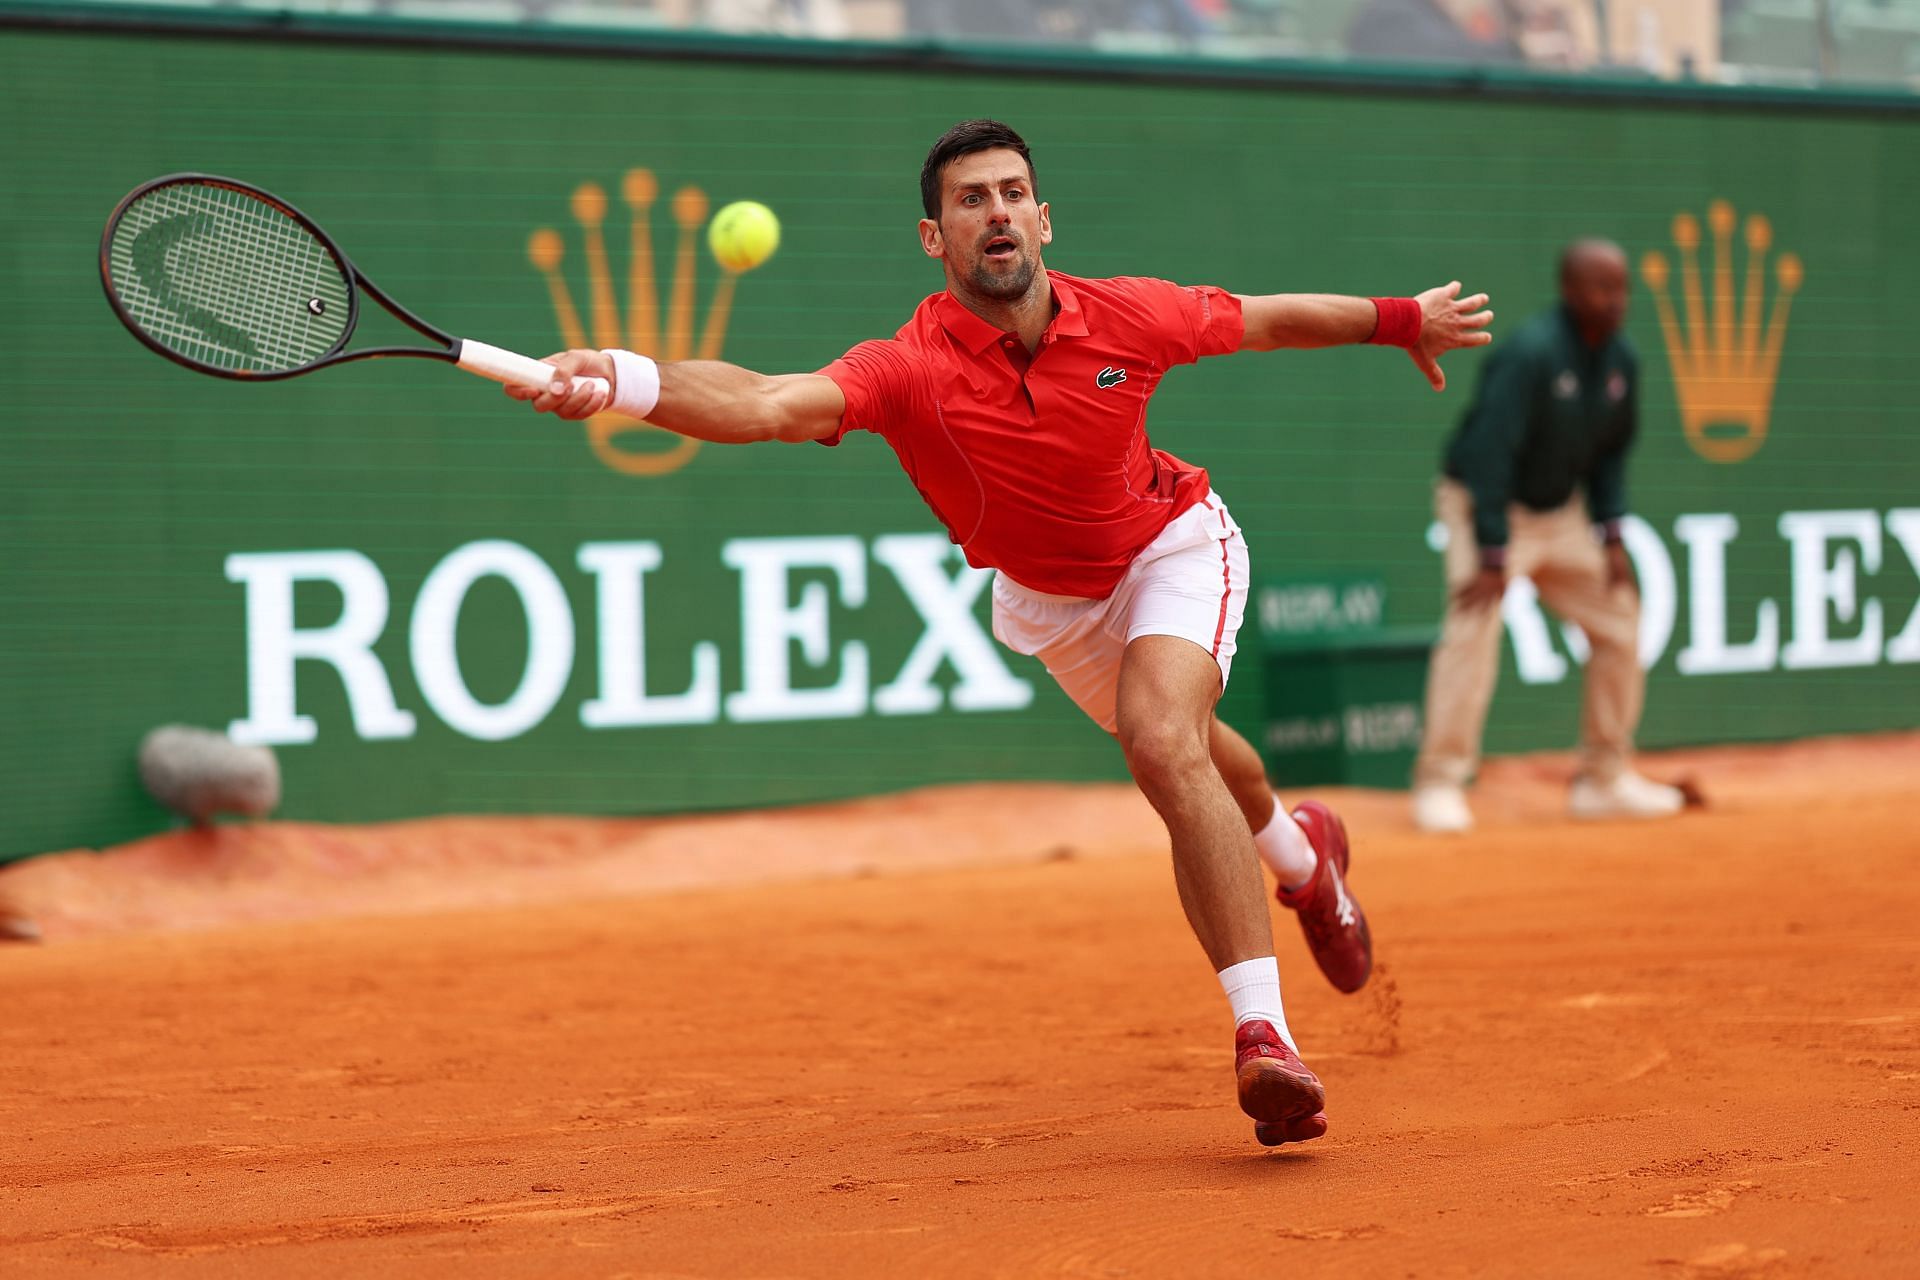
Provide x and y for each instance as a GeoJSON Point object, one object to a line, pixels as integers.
{"type": "Point", "coordinates": [706, 399]}
{"type": "Point", "coordinates": [1429, 326]}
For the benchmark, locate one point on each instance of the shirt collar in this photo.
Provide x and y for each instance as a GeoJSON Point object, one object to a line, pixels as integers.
{"type": "Point", "coordinates": [1070, 321]}
{"type": "Point", "coordinates": [976, 335]}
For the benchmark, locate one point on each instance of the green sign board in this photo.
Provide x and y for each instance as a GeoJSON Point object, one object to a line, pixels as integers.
{"type": "Point", "coordinates": [426, 599]}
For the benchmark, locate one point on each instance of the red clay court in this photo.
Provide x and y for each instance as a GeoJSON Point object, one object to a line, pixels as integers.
{"type": "Point", "coordinates": [965, 1033]}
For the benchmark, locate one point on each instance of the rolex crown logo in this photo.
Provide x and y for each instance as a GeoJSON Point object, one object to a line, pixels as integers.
{"type": "Point", "coordinates": [1723, 364]}
{"type": "Point", "coordinates": [669, 335]}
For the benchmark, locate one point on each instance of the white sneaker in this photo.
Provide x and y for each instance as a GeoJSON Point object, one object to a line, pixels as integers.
{"type": "Point", "coordinates": [1627, 796]}
{"type": "Point", "coordinates": [1442, 810]}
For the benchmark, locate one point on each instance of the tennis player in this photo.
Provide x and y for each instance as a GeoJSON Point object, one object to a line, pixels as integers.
{"type": "Point", "coordinates": [1016, 400]}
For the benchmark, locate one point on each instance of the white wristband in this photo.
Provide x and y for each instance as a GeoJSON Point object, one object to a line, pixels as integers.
{"type": "Point", "coordinates": [636, 384]}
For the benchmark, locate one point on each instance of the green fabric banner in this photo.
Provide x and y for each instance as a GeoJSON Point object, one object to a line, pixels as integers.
{"type": "Point", "coordinates": [429, 600]}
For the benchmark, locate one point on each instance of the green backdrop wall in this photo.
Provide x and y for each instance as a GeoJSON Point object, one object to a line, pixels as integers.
{"type": "Point", "coordinates": [148, 513]}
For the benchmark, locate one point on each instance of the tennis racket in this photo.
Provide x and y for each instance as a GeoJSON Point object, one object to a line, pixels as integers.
{"type": "Point", "coordinates": [227, 279]}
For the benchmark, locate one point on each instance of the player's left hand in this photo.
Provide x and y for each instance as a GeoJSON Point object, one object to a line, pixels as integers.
{"type": "Point", "coordinates": [1620, 569]}
{"type": "Point", "coordinates": [1447, 323]}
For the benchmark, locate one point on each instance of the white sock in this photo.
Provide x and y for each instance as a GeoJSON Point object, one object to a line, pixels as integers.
{"type": "Point", "coordinates": [1284, 848]}
{"type": "Point", "coordinates": [1253, 989]}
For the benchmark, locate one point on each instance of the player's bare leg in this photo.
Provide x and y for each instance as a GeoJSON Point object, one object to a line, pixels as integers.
{"type": "Point", "coordinates": [1164, 715]}
{"type": "Point", "coordinates": [1242, 770]}
{"type": "Point", "coordinates": [1167, 690]}
{"type": "Point", "coordinates": [1307, 852]}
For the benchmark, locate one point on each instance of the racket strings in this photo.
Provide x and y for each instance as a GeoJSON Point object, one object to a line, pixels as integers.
{"type": "Point", "coordinates": [227, 280]}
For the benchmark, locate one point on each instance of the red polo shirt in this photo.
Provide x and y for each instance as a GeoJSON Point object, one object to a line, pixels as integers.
{"type": "Point", "coordinates": [1039, 465]}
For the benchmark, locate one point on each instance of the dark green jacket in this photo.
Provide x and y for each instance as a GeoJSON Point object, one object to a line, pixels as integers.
{"type": "Point", "coordinates": [1549, 415]}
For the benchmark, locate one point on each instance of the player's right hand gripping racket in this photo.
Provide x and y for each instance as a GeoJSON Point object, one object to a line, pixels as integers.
{"type": "Point", "coordinates": [224, 278]}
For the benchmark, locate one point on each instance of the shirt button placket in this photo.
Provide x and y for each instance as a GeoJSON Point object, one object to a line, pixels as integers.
{"type": "Point", "coordinates": [1022, 368]}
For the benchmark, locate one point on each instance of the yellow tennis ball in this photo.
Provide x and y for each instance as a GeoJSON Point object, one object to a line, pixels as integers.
{"type": "Point", "coordinates": [743, 235]}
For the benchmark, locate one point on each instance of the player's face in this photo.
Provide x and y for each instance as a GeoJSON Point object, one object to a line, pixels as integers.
{"type": "Point", "coordinates": [991, 227]}
{"type": "Point", "coordinates": [1596, 289]}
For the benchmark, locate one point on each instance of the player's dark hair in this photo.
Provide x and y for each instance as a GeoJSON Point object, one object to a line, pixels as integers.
{"type": "Point", "coordinates": [964, 139]}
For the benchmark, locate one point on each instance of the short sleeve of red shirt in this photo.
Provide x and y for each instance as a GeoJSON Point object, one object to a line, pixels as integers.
{"type": "Point", "coordinates": [1190, 321]}
{"type": "Point", "coordinates": [884, 386]}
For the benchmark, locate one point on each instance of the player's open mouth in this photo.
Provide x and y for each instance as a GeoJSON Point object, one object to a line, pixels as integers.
{"type": "Point", "coordinates": [1001, 247]}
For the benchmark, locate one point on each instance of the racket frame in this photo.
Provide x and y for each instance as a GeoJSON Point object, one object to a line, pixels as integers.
{"type": "Point", "coordinates": [357, 280]}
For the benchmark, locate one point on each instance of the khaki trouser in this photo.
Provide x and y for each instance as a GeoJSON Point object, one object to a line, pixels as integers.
{"type": "Point", "coordinates": [1558, 551]}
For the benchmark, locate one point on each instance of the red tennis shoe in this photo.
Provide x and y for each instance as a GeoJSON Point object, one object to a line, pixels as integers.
{"type": "Point", "coordinates": [1335, 926]}
{"type": "Point", "coordinates": [1285, 1099]}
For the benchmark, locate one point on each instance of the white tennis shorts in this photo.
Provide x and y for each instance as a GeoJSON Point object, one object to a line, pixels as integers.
{"type": "Point", "coordinates": [1189, 582]}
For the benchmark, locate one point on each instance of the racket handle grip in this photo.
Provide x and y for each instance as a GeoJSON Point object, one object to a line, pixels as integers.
{"type": "Point", "coordinates": [521, 371]}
